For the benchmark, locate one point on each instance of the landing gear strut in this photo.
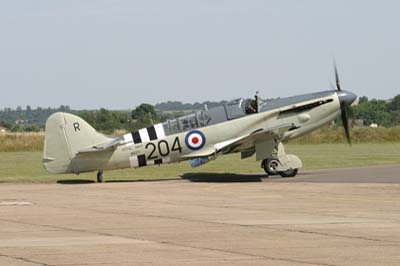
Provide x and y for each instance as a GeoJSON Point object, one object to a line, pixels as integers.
{"type": "Point", "coordinates": [100, 176]}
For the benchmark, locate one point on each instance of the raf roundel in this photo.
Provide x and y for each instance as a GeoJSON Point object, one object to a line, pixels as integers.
{"type": "Point", "coordinates": [195, 140]}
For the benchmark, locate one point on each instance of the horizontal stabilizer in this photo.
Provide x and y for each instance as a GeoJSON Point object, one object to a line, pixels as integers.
{"type": "Point", "coordinates": [110, 145]}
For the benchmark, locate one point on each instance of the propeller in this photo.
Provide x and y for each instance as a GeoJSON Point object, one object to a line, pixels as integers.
{"type": "Point", "coordinates": [337, 77]}
{"type": "Point", "coordinates": [344, 106]}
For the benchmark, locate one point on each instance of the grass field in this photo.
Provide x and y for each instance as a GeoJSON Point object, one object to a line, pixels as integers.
{"type": "Point", "coordinates": [16, 142]}
{"type": "Point", "coordinates": [27, 166]}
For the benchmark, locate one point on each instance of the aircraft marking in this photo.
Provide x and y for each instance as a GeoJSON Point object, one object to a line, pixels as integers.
{"type": "Point", "coordinates": [145, 134]}
{"type": "Point", "coordinates": [152, 133]}
{"type": "Point", "coordinates": [195, 140]}
{"type": "Point", "coordinates": [76, 126]}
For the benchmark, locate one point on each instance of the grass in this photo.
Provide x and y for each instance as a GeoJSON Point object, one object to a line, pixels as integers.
{"type": "Point", "coordinates": [358, 135]}
{"type": "Point", "coordinates": [21, 142]}
{"type": "Point", "coordinates": [34, 141]}
{"type": "Point", "coordinates": [27, 166]}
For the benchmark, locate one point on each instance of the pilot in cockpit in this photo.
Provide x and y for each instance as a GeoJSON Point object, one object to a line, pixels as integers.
{"type": "Point", "coordinates": [252, 108]}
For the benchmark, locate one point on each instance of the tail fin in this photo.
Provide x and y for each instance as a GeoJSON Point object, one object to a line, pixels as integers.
{"type": "Point", "coordinates": [65, 135]}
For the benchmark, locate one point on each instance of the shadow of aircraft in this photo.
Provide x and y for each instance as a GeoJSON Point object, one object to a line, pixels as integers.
{"type": "Point", "coordinates": [75, 181]}
{"type": "Point", "coordinates": [142, 180]}
{"type": "Point", "coordinates": [223, 177]}
{"type": "Point", "coordinates": [88, 181]}
{"type": "Point", "coordinates": [193, 177]}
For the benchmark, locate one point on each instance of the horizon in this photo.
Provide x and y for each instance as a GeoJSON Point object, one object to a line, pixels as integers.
{"type": "Point", "coordinates": [24, 108]}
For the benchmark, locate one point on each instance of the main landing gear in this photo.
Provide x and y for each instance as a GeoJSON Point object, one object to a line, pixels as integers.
{"type": "Point", "coordinates": [279, 163]}
{"type": "Point", "coordinates": [272, 167]}
{"type": "Point", "coordinates": [100, 176]}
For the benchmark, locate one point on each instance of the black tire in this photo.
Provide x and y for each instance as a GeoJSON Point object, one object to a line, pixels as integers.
{"type": "Point", "coordinates": [289, 173]}
{"type": "Point", "coordinates": [269, 165]}
{"type": "Point", "coordinates": [100, 176]}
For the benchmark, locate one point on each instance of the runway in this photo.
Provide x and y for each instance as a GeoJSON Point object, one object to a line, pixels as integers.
{"type": "Point", "coordinates": [348, 216]}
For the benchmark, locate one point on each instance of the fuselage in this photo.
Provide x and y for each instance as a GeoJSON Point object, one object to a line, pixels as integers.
{"type": "Point", "coordinates": [180, 139]}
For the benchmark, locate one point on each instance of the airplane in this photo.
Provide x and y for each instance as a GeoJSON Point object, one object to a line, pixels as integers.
{"type": "Point", "coordinates": [260, 128]}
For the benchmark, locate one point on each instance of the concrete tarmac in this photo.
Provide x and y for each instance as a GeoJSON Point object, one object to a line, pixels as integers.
{"type": "Point", "coordinates": [348, 216]}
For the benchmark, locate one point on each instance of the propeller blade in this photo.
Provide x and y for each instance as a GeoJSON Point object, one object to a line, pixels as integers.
{"type": "Point", "coordinates": [337, 77]}
{"type": "Point", "coordinates": [345, 123]}
{"type": "Point", "coordinates": [343, 107]}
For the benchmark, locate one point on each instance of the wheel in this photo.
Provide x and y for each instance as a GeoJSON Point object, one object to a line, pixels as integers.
{"type": "Point", "coordinates": [100, 176]}
{"type": "Point", "coordinates": [289, 173]}
{"type": "Point", "coordinates": [270, 166]}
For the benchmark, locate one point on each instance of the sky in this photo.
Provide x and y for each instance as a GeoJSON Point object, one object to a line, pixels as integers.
{"type": "Point", "coordinates": [118, 54]}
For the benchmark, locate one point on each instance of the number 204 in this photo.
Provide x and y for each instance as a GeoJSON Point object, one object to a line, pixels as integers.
{"type": "Point", "coordinates": [163, 148]}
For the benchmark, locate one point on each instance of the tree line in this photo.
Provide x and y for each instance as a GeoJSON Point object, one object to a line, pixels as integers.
{"type": "Point", "coordinates": [107, 121]}
{"type": "Point", "coordinates": [381, 112]}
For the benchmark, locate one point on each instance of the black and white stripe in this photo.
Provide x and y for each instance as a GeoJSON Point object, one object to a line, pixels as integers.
{"type": "Point", "coordinates": [141, 160]}
{"type": "Point", "coordinates": [145, 135]}
{"type": "Point", "coordinates": [152, 133]}
{"type": "Point", "coordinates": [136, 137]}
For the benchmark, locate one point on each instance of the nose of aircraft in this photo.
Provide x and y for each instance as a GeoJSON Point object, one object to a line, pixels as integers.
{"type": "Point", "coordinates": [346, 97]}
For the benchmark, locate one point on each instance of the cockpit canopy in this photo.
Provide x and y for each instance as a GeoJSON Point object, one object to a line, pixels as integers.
{"type": "Point", "coordinates": [231, 110]}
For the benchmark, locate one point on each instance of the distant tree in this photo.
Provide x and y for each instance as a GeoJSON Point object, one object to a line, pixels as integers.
{"type": "Point", "coordinates": [145, 112]}
{"type": "Point", "coordinates": [362, 99]}
{"type": "Point", "coordinates": [394, 105]}
{"type": "Point", "coordinates": [106, 120]}
{"type": "Point", "coordinates": [31, 128]}
{"type": "Point", "coordinates": [395, 118]}
{"type": "Point", "coordinates": [6, 124]}
{"type": "Point", "coordinates": [17, 128]}
{"type": "Point", "coordinates": [373, 111]}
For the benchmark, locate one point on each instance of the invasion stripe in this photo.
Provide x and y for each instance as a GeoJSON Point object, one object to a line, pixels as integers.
{"type": "Point", "coordinates": [142, 160]}
{"type": "Point", "coordinates": [159, 131]}
{"type": "Point", "coordinates": [133, 161]}
{"type": "Point", "coordinates": [144, 135]}
{"type": "Point", "coordinates": [136, 137]}
{"type": "Point", "coordinates": [152, 133]}
{"type": "Point", "coordinates": [166, 159]}
{"type": "Point", "coordinates": [128, 138]}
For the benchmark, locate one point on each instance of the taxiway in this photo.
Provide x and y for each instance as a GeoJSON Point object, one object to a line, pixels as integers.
{"type": "Point", "coordinates": [348, 216]}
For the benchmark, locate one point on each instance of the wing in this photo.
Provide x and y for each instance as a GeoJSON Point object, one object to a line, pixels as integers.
{"type": "Point", "coordinates": [243, 142]}
{"type": "Point", "coordinates": [250, 140]}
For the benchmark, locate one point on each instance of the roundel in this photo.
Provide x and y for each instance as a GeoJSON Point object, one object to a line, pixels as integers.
{"type": "Point", "coordinates": [195, 140]}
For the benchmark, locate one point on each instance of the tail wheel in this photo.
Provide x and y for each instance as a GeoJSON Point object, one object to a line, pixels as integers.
{"type": "Point", "coordinates": [289, 173]}
{"type": "Point", "coordinates": [100, 176]}
{"type": "Point", "coordinates": [270, 166]}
